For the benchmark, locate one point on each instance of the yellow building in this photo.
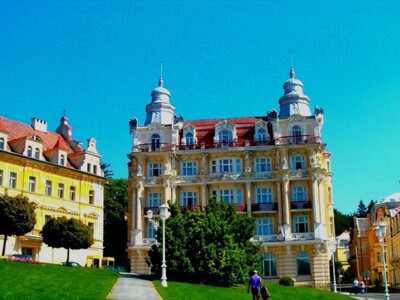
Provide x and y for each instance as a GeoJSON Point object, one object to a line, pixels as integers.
{"type": "Point", "coordinates": [275, 168]}
{"type": "Point", "coordinates": [342, 252]}
{"type": "Point", "coordinates": [60, 177]}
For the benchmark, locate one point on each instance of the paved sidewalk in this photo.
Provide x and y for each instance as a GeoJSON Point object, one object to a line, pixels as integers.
{"type": "Point", "coordinates": [131, 286]}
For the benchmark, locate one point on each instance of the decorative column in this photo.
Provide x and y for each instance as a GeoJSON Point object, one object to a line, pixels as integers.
{"type": "Point", "coordinates": [316, 207]}
{"type": "Point", "coordinates": [248, 197]}
{"type": "Point", "coordinates": [286, 206]}
{"type": "Point", "coordinates": [203, 194]}
{"type": "Point", "coordinates": [279, 201]}
{"type": "Point", "coordinates": [139, 213]}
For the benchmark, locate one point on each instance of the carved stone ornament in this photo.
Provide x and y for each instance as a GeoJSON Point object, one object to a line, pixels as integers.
{"type": "Point", "coordinates": [296, 118]}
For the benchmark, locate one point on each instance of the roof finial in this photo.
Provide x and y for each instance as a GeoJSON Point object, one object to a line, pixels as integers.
{"type": "Point", "coordinates": [64, 111]}
{"type": "Point", "coordinates": [161, 82]}
{"type": "Point", "coordinates": [292, 73]}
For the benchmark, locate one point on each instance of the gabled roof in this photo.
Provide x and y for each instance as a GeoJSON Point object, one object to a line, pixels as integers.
{"type": "Point", "coordinates": [17, 130]}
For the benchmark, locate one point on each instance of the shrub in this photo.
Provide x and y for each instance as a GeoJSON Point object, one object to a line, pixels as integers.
{"type": "Point", "coordinates": [286, 281]}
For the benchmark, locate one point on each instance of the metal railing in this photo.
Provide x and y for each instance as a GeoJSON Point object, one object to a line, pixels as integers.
{"type": "Point", "coordinates": [300, 205]}
{"type": "Point", "coordinates": [264, 206]}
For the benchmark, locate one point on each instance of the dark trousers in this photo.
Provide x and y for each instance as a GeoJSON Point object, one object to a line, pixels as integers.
{"type": "Point", "coordinates": [255, 291]}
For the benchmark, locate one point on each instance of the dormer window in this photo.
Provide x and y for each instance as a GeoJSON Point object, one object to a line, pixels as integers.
{"type": "Point", "coordinates": [62, 159]}
{"type": "Point", "coordinates": [189, 136]}
{"type": "Point", "coordinates": [2, 143]}
{"type": "Point", "coordinates": [189, 139]}
{"type": "Point", "coordinates": [225, 137]}
{"type": "Point", "coordinates": [29, 151]}
{"type": "Point", "coordinates": [261, 135]}
{"type": "Point", "coordinates": [225, 134]}
{"type": "Point", "coordinates": [37, 153]}
{"type": "Point", "coordinates": [155, 142]}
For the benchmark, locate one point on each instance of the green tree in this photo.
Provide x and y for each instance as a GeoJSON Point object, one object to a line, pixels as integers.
{"type": "Point", "coordinates": [68, 234]}
{"type": "Point", "coordinates": [362, 210]}
{"type": "Point", "coordinates": [209, 245]}
{"type": "Point", "coordinates": [370, 205]}
{"type": "Point", "coordinates": [342, 221]}
{"type": "Point", "coordinates": [17, 216]}
{"type": "Point", "coordinates": [115, 225]}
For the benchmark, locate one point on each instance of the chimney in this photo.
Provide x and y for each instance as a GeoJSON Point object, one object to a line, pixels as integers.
{"type": "Point", "coordinates": [39, 125]}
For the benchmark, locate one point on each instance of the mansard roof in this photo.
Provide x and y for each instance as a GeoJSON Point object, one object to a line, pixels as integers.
{"type": "Point", "coordinates": [17, 130]}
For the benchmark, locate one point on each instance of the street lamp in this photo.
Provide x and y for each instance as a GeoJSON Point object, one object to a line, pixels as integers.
{"type": "Point", "coordinates": [154, 222]}
{"type": "Point", "coordinates": [334, 249]}
{"type": "Point", "coordinates": [380, 232]}
{"type": "Point", "coordinates": [163, 214]}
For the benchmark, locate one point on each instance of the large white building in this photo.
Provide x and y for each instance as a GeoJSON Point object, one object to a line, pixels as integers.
{"type": "Point", "coordinates": [274, 167]}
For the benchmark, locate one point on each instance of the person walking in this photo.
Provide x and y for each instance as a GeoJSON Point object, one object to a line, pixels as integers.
{"type": "Point", "coordinates": [255, 283]}
{"type": "Point", "coordinates": [355, 286]}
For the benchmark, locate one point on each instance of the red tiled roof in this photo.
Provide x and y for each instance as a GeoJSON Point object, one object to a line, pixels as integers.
{"type": "Point", "coordinates": [17, 130]}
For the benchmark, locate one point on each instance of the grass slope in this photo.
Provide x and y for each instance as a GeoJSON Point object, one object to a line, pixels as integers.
{"type": "Point", "coordinates": [183, 291]}
{"type": "Point", "coordinates": [44, 281]}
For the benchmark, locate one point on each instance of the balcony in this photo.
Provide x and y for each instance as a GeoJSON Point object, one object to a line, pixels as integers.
{"type": "Point", "coordinates": [264, 206]}
{"type": "Point", "coordinates": [298, 140]}
{"type": "Point", "coordinates": [155, 210]}
{"type": "Point", "coordinates": [300, 205]}
{"type": "Point", "coordinates": [267, 238]}
{"type": "Point", "coordinates": [241, 207]}
{"type": "Point", "coordinates": [149, 242]}
{"type": "Point", "coordinates": [302, 236]}
{"type": "Point", "coordinates": [264, 175]}
{"type": "Point", "coordinates": [153, 180]}
{"type": "Point", "coordinates": [226, 176]}
{"type": "Point", "coordinates": [190, 207]}
{"type": "Point", "coordinates": [188, 178]}
{"type": "Point", "coordinates": [154, 147]}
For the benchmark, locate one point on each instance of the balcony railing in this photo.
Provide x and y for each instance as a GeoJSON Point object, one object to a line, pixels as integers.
{"type": "Point", "coordinates": [303, 236]}
{"type": "Point", "coordinates": [241, 207]}
{"type": "Point", "coordinates": [190, 207]}
{"type": "Point", "coordinates": [267, 238]}
{"type": "Point", "coordinates": [155, 210]}
{"type": "Point", "coordinates": [300, 204]}
{"type": "Point", "coordinates": [149, 241]}
{"type": "Point", "coordinates": [264, 206]}
{"type": "Point", "coordinates": [284, 140]}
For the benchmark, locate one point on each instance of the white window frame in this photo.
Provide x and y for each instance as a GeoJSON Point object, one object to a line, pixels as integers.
{"type": "Point", "coordinates": [299, 193]}
{"type": "Point", "coordinates": [12, 183]}
{"type": "Point", "coordinates": [154, 199]}
{"type": "Point", "coordinates": [226, 165]}
{"type": "Point", "coordinates": [303, 257]}
{"type": "Point", "coordinates": [225, 136]}
{"type": "Point", "coordinates": [229, 195]}
{"type": "Point", "coordinates": [301, 224]}
{"type": "Point", "coordinates": [265, 226]}
{"type": "Point", "coordinates": [297, 162]}
{"type": "Point", "coordinates": [32, 184]}
{"type": "Point", "coordinates": [37, 153]}
{"type": "Point", "coordinates": [60, 190]}
{"type": "Point", "coordinates": [261, 135]}
{"type": "Point", "coordinates": [151, 232]}
{"type": "Point", "coordinates": [189, 198]}
{"type": "Point", "coordinates": [48, 190]}
{"type": "Point", "coordinates": [91, 196]}
{"type": "Point", "coordinates": [189, 139]}
{"type": "Point", "coordinates": [262, 164]}
{"type": "Point", "coordinates": [2, 143]}
{"type": "Point", "coordinates": [72, 193]}
{"type": "Point", "coordinates": [1, 177]}
{"type": "Point", "coordinates": [155, 169]}
{"type": "Point", "coordinates": [264, 195]}
{"type": "Point", "coordinates": [189, 168]}
{"type": "Point", "coordinates": [269, 263]}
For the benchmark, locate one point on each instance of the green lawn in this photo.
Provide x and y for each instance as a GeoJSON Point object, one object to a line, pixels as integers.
{"type": "Point", "coordinates": [182, 291]}
{"type": "Point", "coordinates": [27, 281]}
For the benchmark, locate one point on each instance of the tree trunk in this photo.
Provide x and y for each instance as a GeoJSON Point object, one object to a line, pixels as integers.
{"type": "Point", "coordinates": [67, 256]}
{"type": "Point", "coordinates": [4, 245]}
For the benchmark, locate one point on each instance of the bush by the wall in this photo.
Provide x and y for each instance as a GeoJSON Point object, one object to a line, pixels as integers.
{"type": "Point", "coordinates": [286, 281]}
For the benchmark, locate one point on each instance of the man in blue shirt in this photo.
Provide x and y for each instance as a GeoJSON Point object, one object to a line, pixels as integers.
{"type": "Point", "coordinates": [255, 284]}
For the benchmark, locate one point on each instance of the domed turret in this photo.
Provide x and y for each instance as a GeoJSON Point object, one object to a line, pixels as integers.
{"type": "Point", "coordinates": [160, 110]}
{"type": "Point", "coordinates": [294, 102]}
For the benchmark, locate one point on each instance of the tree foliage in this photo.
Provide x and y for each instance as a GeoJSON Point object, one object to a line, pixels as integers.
{"type": "Point", "coordinates": [115, 227]}
{"type": "Point", "coordinates": [67, 233]}
{"type": "Point", "coordinates": [342, 222]}
{"type": "Point", "coordinates": [362, 210]}
{"type": "Point", "coordinates": [209, 245]}
{"type": "Point", "coordinates": [17, 216]}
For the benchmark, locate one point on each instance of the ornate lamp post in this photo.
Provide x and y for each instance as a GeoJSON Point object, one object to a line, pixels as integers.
{"type": "Point", "coordinates": [380, 232]}
{"type": "Point", "coordinates": [333, 248]}
{"type": "Point", "coordinates": [163, 214]}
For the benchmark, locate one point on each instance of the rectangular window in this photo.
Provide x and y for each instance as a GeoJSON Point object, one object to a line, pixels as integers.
{"type": "Point", "coordinates": [72, 193]}
{"type": "Point", "coordinates": [95, 169]}
{"type": "Point", "coordinates": [265, 226]}
{"type": "Point", "coordinates": [32, 184]}
{"type": "Point", "coordinates": [1, 177]}
{"type": "Point", "coordinates": [189, 198]}
{"type": "Point", "coordinates": [151, 231]}
{"type": "Point", "coordinates": [91, 226]}
{"type": "Point", "coordinates": [229, 195]}
{"type": "Point", "coordinates": [154, 200]}
{"type": "Point", "coordinates": [154, 169]}
{"type": "Point", "coordinates": [91, 197]}
{"type": "Point", "coordinates": [226, 165]}
{"type": "Point", "coordinates": [189, 168]}
{"type": "Point", "coordinates": [297, 163]}
{"type": "Point", "coordinates": [89, 168]}
{"type": "Point", "coordinates": [300, 224]}
{"type": "Point", "coordinates": [60, 191]}
{"type": "Point", "coordinates": [262, 164]}
{"type": "Point", "coordinates": [299, 193]}
{"type": "Point", "coordinates": [264, 195]}
{"type": "Point", "coordinates": [13, 180]}
{"type": "Point", "coordinates": [49, 188]}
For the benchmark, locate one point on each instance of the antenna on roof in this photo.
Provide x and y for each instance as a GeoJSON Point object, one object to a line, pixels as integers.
{"type": "Point", "coordinates": [64, 111]}
{"type": "Point", "coordinates": [161, 82]}
{"type": "Point", "coordinates": [291, 66]}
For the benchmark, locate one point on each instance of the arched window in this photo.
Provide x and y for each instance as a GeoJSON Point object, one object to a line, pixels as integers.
{"type": "Point", "coordinates": [269, 265]}
{"type": "Point", "coordinates": [62, 159]}
{"type": "Point", "coordinates": [29, 151]}
{"type": "Point", "coordinates": [303, 263]}
{"type": "Point", "coordinates": [189, 139]}
{"type": "Point", "coordinates": [296, 134]}
{"type": "Point", "coordinates": [37, 153]}
{"type": "Point", "coordinates": [155, 142]}
{"type": "Point", "coordinates": [225, 137]}
{"type": "Point", "coordinates": [261, 135]}
{"type": "Point", "coordinates": [1, 143]}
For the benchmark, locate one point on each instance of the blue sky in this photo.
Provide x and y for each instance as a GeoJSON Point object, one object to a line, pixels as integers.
{"type": "Point", "coordinates": [100, 60]}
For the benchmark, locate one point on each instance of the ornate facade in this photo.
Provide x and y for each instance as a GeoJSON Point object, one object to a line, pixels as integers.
{"type": "Point", "coordinates": [274, 168]}
{"type": "Point", "coordinates": [60, 177]}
